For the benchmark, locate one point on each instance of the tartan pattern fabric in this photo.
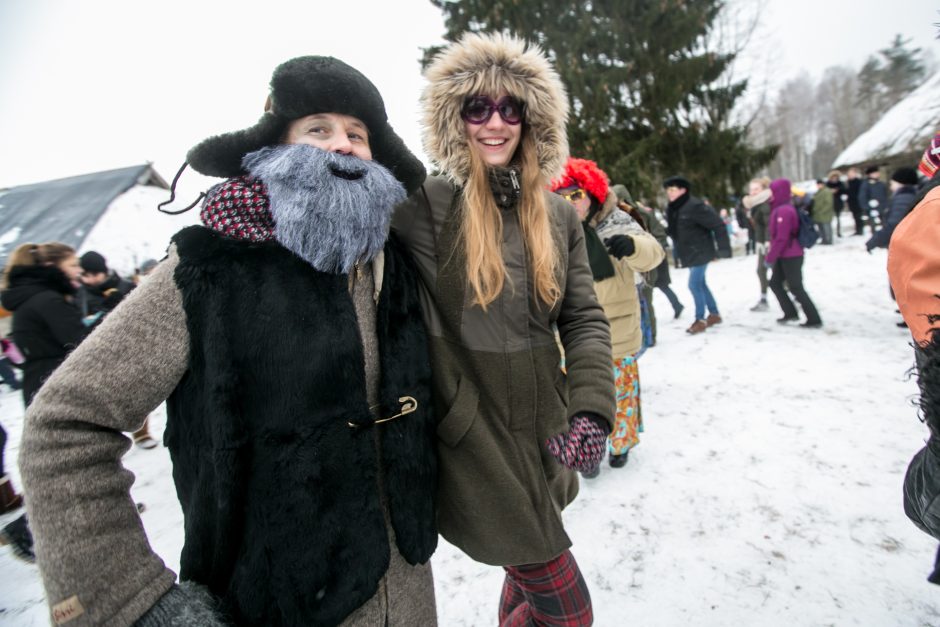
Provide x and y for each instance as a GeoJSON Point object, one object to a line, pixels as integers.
{"type": "Point", "coordinates": [628, 421]}
{"type": "Point", "coordinates": [582, 447]}
{"type": "Point", "coordinates": [238, 208]}
{"type": "Point", "coordinates": [552, 594]}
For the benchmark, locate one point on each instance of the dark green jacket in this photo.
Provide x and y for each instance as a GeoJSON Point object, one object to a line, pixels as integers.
{"type": "Point", "coordinates": [498, 384]}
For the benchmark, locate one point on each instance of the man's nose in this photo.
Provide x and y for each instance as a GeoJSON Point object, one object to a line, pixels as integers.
{"type": "Point", "coordinates": [341, 144]}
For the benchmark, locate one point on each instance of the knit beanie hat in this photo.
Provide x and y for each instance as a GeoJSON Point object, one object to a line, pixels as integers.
{"type": "Point", "coordinates": [871, 169]}
{"type": "Point", "coordinates": [623, 194]}
{"type": "Point", "coordinates": [585, 174]}
{"type": "Point", "coordinates": [304, 86]}
{"type": "Point", "coordinates": [678, 181]}
{"type": "Point", "coordinates": [930, 162]}
{"type": "Point", "coordinates": [905, 176]}
{"type": "Point", "coordinates": [93, 263]}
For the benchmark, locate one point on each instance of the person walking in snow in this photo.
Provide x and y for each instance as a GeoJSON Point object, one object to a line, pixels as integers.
{"type": "Point", "coordinates": [299, 417]}
{"type": "Point", "coordinates": [873, 197]}
{"type": "Point", "coordinates": [619, 250]}
{"type": "Point", "coordinates": [757, 203]}
{"type": "Point", "coordinates": [823, 211]}
{"type": "Point", "coordinates": [839, 191]}
{"type": "Point", "coordinates": [853, 185]}
{"type": "Point", "coordinates": [696, 230]}
{"type": "Point", "coordinates": [503, 264]}
{"type": "Point", "coordinates": [785, 257]}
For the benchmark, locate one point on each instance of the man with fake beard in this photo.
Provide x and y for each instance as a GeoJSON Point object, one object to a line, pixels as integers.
{"type": "Point", "coordinates": [286, 337]}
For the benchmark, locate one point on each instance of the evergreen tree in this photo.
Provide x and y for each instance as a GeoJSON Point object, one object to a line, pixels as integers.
{"type": "Point", "coordinates": [642, 85]}
{"type": "Point", "coordinates": [888, 77]}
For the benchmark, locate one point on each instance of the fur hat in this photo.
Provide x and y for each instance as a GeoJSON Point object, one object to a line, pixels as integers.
{"type": "Point", "coordinates": [930, 162]}
{"type": "Point", "coordinates": [490, 64]}
{"type": "Point", "coordinates": [585, 174]}
{"type": "Point", "coordinates": [303, 86]}
{"type": "Point", "coordinates": [678, 181]}
{"type": "Point", "coordinates": [905, 176]}
{"type": "Point", "coordinates": [93, 262]}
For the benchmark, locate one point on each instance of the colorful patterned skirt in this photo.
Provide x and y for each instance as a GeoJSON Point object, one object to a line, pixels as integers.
{"type": "Point", "coordinates": [628, 423]}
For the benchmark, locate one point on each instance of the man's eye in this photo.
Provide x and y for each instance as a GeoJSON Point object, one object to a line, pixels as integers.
{"type": "Point", "coordinates": [356, 137]}
{"type": "Point", "coordinates": [318, 130]}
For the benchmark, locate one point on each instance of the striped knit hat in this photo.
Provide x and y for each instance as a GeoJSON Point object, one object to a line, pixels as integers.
{"type": "Point", "coordinates": [930, 162]}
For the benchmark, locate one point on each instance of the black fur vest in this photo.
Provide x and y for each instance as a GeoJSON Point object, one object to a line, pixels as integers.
{"type": "Point", "coordinates": [281, 496]}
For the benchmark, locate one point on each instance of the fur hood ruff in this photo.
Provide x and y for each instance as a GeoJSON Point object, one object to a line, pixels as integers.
{"type": "Point", "coordinates": [489, 64]}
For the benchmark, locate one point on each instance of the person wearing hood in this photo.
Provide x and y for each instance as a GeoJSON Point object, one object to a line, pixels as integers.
{"type": "Point", "coordinates": [619, 249]}
{"type": "Point", "coordinates": [785, 257]}
{"type": "Point", "coordinates": [285, 335]}
{"type": "Point", "coordinates": [914, 272]}
{"type": "Point", "coordinates": [696, 229]}
{"type": "Point", "coordinates": [504, 264]}
{"type": "Point", "coordinates": [757, 202]}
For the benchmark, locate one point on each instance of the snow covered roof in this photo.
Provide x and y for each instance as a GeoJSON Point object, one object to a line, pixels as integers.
{"type": "Point", "coordinates": [906, 127]}
{"type": "Point", "coordinates": [65, 210]}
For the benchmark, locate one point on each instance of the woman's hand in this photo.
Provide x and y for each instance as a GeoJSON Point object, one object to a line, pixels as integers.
{"type": "Point", "coordinates": [581, 447]}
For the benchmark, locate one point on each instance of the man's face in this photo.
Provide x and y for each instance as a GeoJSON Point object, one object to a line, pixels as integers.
{"type": "Point", "coordinates": [578, 198]}
{"type": "Point", "coordinates": [91, 279]}
{"type": "Point", "coordinates": [875, 175]}
{"type": "Point", "coordinates": [332, 132]}
{"type": "Point", "coordinates": [673, 192]}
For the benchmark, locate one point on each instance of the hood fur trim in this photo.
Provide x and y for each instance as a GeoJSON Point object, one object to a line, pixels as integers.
{"type": "Point", "coordinates": [489, 64]}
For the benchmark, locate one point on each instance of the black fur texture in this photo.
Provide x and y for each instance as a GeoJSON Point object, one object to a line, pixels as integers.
{"type": "Point", "coordinates": [280, 496]}
{"type": "Point", "coordinates": [304, 86]}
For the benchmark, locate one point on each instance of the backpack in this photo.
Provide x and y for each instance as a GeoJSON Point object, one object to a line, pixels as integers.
{"type": "Point", "coordinates": [807, 235]}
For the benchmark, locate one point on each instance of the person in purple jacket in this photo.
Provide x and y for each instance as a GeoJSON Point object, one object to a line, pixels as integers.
{"type": "Point", "coordinates": [785, 257]}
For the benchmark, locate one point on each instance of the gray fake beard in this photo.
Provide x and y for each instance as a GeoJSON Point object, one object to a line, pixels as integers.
{"type": "Point", "coordinates": [331, 210]}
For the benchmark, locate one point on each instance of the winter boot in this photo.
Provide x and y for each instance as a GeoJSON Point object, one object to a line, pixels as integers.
{"type": "Point", "coordinates": [712, 320]}
{"type": "Point", "coordinates": [9, 499]}
{"type": "Point", "coordinates": [18, 536]}
{"type": "Point", "coordinates": [678, 311]}
{"type": "Point", "coordinates": [787, 319]}
{"type": "Point", "coordinates": [593, 474]}
{"type": "Point", "coordinates": [619, 461]}
{"type": "Point", "coordinates": [697, 327]}
{"type": "Point", "coordinates": [761, 305]}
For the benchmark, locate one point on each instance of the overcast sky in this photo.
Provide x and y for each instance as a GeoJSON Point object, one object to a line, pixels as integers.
{"type": "Point", "coordinates": [100, 84]}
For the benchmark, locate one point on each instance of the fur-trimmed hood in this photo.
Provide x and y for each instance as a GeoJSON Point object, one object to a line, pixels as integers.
{"type": "Point", "coordinates": [489, 64]}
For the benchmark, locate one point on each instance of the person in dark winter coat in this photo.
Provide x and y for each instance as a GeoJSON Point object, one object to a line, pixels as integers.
{"type": "Point", "coordinates": [41, 281]}
{"type": "Point", "coordinates": [873, 197]}
{"type": "Point", "coordinates": [823, 211]}
{"type": "Point", "coordinates": [299, 421]}
{"type": "Point", "coordinates": [757, 203]}
{"type": "Point", "coordinates": [785, 257]}
{"type": "Point", "coordinates": [504, 265]}
{"type": "Point", "coordinates": [696, 229]}
{"type": "Point", "coordinates": [914, 272]}
{"type": "Point", "coordinates": [853, 185]}
{"type": "Point", "coordinates": [102, 289]}
{"type": "Point", "coordinates": [839, 191]}
{"type": "Point", "coordinates": [903, 192]}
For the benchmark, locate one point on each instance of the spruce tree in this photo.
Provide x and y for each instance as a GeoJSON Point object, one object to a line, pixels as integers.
{"type": "Point", "coordinates": [642, 85]}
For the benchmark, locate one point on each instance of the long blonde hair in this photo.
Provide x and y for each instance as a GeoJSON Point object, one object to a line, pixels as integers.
{"type": "Point", "coordinates": [48, 254]}
{"type": "Point", "coordinates": [482, 230]}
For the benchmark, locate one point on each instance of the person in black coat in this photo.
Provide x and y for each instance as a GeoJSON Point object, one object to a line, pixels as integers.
{"type": "Point", "coordinates": [40, 285]}
{"type": "Point", "coordinates": [873, 197]}
{"type": "Point", "coordinates": [839, 192]}
{"type": "Point", "coordinates": [853, 185]}
{"type": "Point", "coordinates": [696, 229]}
{"type": "Point", "coordinates": [102, 289]}
{"type": "Point", "coordinates": [904, 191]}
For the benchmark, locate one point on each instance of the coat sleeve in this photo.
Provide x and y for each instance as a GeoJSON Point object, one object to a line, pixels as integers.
{"type": "Point", "coordinates": [708, 218]}
{"type": "Point", "coordinates": [863, 197]}
{"type": "Point", "coordinates": [781, 228]}
{"type": "Point", "coordinates": [584, 331]}
{"type": "Point", "coordinates": [647, 254]}
{"type": "Point", "coordinates": [91, 548]}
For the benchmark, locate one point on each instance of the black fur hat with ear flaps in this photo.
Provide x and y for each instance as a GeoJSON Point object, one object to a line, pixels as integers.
{"type": "Point", "coordinates": [304, 86]}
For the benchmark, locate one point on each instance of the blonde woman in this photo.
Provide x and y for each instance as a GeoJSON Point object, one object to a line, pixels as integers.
{"type": "Point", "coordinates": [503, 264]}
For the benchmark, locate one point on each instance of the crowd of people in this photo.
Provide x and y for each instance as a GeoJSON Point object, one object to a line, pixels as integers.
{"type": "Point", "coordinates": [417, 353]}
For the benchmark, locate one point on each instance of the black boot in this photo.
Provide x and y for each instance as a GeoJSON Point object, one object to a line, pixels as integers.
{"type": "Point", "coordinates": [619, 461]}
{"type": "Point", "coordinates": [20, 539]}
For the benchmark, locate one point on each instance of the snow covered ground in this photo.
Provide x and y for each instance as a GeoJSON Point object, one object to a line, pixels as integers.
{"type": "Point", "coordinates": [766, 489]}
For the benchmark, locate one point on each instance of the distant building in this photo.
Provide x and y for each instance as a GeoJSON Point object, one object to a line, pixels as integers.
{"type": "Point", "coordinates": [113, 212]}
{"type": "Point", "coordinates": [902, 133]}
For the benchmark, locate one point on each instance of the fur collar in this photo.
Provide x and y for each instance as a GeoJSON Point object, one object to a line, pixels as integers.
{"type": "Point", "coordinates": [752, 200]}
{"type": "Point", "coordinates": [490, 64]}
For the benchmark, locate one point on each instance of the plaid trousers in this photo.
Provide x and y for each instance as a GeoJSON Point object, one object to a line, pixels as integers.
{"type": "Point", "coordinates": [553, 594]}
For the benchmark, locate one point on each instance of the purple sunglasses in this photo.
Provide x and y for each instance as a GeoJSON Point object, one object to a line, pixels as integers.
{"type": "Point", "coordinates": [479, 110]}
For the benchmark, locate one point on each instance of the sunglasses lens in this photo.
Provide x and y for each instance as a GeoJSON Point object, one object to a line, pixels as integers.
{"type": "Point", "coordinates": [476, 110]}
{"type": "Point", "coordinates": [510, 111]}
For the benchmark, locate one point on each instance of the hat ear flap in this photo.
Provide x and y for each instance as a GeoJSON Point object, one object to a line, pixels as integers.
{"type": "Point", "coordinates": [221, 155]}
{"type": "Point", "coordinates": [389, 150]}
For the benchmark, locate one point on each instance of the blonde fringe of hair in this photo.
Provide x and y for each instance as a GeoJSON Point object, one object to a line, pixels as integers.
{"type": "Point", "coordinates": [482, 231]}
{"type": "Point", "coordinates": [48, 254]}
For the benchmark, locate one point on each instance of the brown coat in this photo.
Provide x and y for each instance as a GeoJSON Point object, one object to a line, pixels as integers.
{"type": "Point", "coordinates": [498, 382]}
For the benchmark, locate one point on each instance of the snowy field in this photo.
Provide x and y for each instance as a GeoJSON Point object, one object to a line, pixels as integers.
{"type": "Point", "coordinates": [766, 489]}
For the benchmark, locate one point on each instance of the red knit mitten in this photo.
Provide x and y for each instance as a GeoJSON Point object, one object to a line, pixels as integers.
{"type": "Point", "coordinates": [582, 447]}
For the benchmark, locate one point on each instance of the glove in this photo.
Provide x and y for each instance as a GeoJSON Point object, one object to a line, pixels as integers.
{"type": "Point", "coordinates": [185, 604]}
{"type": "Point", "coordinates": [620, 246]}
{"type": "Point", "coordinates": [112, 298]}
{"type": "Point", "coordinates": [582, 447]}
